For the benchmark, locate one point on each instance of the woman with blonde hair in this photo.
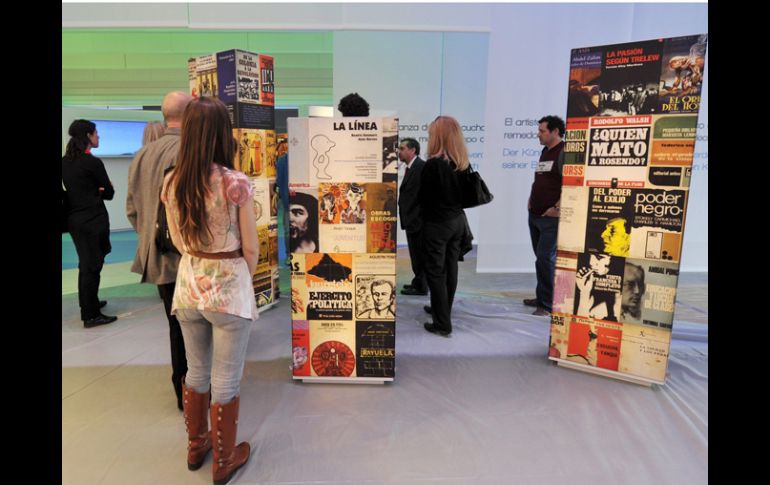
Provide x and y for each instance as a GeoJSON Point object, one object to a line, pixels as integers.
{"type": "Point", "coordinates": [152, 131]}
{"type": "Point", "coordinates": [443, 217]}
{"type": "Point", "coordinates": [211, 219]}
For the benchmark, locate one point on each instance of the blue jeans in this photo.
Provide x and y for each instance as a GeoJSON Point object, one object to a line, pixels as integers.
{"type": "Point", "coordinates": [216, 351]}
{"type": "Point", "coordinates": [543, 232]}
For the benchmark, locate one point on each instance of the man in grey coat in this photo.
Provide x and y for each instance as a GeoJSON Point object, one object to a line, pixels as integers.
{"type": "Point", "coordinates": [145, 179]}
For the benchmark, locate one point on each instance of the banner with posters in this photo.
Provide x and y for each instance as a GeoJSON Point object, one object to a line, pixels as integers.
{"type": "Point", "coordinates": [342, 239]}
{"type": "Point", "coordinates": [632, 114]}
{"type": "Point", "coordinates": [244, 82]}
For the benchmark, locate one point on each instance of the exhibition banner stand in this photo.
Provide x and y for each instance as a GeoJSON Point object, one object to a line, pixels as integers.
{"type": "Point", "coordinates": [244, 82]}
{"type": "Point", "coordinates": [342, 219]}
{"type": "Point", "coordinates": [632, 112]}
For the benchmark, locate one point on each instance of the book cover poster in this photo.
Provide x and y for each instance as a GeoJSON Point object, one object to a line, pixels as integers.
{"type": "Point", "coordinates": [621, 142]}
{"type": "Point", "coordinates": [390, 149]}
{"type": "Point", "coordinates": [267, 80]}
{"type": "Point", "coordinates": [584, 82]}
{"type": "Point", "coordinates": [681, 77]}
{"type": "Point", "coordinates": [263, 236]}
{"type": "Point", "coordinates": [630, 78]}
{"type": "Point", "coordinates": [657, 223]}
{"type": "Point", "coordinates": [206, 75]}
{"type": "Point", "coordinates": [345, 149]}
{"type": "Point", "coordinates": [375, 349]}
{"type": "Point", "coordinates": [303, 218]}
{"type": "Point", "coordinates": [333, 345]}
{"type": "Point", "coordinates": [564, 282]}
{"type": "Point", "coordinates": [248, 153]}
{"type": "Point", "coordinates": [330, 286]}
{"type": "Point", "coordinates": [342, 212]}
{"type": "Point", "coordinates": [669, 177]}
{"type": "Point", "coordinates": [645, 352]}
{"type": "Point", "coordinates": [247, 77]}
{"type": "Point", "coordinates": [610, 216]}
{"type": "Point", "coordinates": [270, 154]}
{"type": "Point", "coordinates": [261, 200]}
{"type": "Point", "coordinates": [263, 288]}
{"type": "Point", "coordinates": [382, 222]}
{"type": "Point", "coordinates": [674, 140]}
{"type": "Point", "coordinates": [649, 293]}
{"type": "Point", "coordinates": [281, 144]}
{"type": "Point", "coordinates": [598, 285]}
{"type": "Point", "coordinates": [559, 338]}
{"type": "Point", "coordinates": [299, 293]}
{"type": "Point", "coordinates": [272, 239]}
{"type": "Point", "coordinates": [274, 198]}
{"type": "Point", "coordinates": [375, 286]}
{"type": "Point", "coordinates": [575, 144]}
{"type": "Point", "coordinates": [192, 77]}
{"type": "Point", "coordinates": [300, 347]}
{"type": "Point", "coordinates": [594, 342]}
{"type": "Point", "coordinates": [572, 220]}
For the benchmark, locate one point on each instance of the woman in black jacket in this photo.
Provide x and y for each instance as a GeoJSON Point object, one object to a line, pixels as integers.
{"type": "Point", "coordinates": [87, 186]}
{"type": "Point", "coordinates": [443, 216]}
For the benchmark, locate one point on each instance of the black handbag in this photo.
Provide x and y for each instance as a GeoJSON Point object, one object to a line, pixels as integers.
{"type": "Point", "coordinates": [474, 191]}
{"type": "Point", "coordinates": [162, 234]}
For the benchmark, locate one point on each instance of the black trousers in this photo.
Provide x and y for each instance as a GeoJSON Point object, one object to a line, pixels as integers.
{"type": "Point", "coordinates": [414, 240]}
{"type": "Point", "coordinates": [92, 243]}
{"type": "Point", "coordinates": [441, 249]}
{"type": "Point", "coordinates": [178, 354]}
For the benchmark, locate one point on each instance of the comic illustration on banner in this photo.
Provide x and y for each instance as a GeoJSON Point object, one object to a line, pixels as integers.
{"type": "Point", "coordinates": [342, 214]}
{"type": "Point", "coordinates": [299, 293]}
{"type": "Point", "coordinates": [382, 223]}
{"type": "Point", "coordinates": [263, 261]}
{"type": "Point", "coordinates": [261, 200]}
{"type": "Point", "coordinates": [564, 282]}
{"type": "Point", "coordinates": [333, 346]}
{"type": "Point", "coordinates": [270, 154]}
{"type": "Point", "coordinates": [248, 156]}
{"type": "Point", "coordinates": [303, 218]}
{"type": "Point", "coordinates": [572, 219]}
{"type": "Point", "coordinates": [330, 286]}
{"type": "Point", "coordinates": [274, 199]}
{"type": "Point", "coordinates": [375, 348]}
{"type": "Point", "coordinates": [375, 285]}
{"type": "Point", "coordinates": [598, 285]}
{"type": "Point", "coordinates": [681, 77]}
{"type": "Point", "coordinates": [300, 347]}
{"type": "Point", "coordinates": [584, 83]}
{"type": "Point", "coordinates": [644, 352]}
{"type": "Point", "coordinates": [649, 293]}
{"type": "Point", "coordinates": [673, 140]}
{"type": "Point", "coordinates": [630, 78]}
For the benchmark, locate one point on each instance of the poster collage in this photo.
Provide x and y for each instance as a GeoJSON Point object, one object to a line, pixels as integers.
{"type": "Point", "coordinates": [244, 82]}
{"type": "Point", "coordinates": [632, 114]}
{"type": "Point", "coordinates": [342, 238]}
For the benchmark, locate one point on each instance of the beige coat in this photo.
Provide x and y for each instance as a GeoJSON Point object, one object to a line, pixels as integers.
{"type": "Point", "coordinates": [145, 177]}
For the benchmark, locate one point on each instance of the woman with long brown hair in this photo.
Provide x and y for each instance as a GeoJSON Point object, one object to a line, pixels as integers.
{"type": "Point", "coordinates": [211, 219]}
{"type": "Point", "coordinates": [443, 217]}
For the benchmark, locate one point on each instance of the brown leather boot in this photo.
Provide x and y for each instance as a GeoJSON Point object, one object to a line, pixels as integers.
{"type": "Point", "coordinates": [228, 458]}
{"type": "Point", "coordinates": [196, 420]}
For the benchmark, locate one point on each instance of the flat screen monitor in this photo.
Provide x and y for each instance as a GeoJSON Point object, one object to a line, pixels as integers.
{"type": "Point", "coordinates": [118, 138]}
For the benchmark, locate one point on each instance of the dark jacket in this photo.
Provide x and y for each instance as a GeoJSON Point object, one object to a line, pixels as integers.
{"type": "Point", "coordinates": [408, 204]}
{"type": "Point", "coordinates": [82, 178]}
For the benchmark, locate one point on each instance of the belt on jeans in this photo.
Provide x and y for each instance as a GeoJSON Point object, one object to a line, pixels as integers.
{"type": "Point", "coordinates": [226, 255]}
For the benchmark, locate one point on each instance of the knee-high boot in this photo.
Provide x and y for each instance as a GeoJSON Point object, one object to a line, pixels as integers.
{"type": "Point", "coordinates": [196, 420]}
{"type": "Point", "coordinates": [228, 458]}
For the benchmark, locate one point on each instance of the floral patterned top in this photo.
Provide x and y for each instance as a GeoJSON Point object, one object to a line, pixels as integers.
{"type": "Point", "coordinates": [217, 285]}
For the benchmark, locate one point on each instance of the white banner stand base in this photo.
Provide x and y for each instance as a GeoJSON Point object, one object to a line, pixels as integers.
{"type": "Point", "coordinates": [343, 380]}
{"type": "Point", "coordinates": [604, 372]}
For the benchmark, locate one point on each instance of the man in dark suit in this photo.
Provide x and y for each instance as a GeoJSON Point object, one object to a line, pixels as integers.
{"type": "Point", "coordinates": [409, 211]}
